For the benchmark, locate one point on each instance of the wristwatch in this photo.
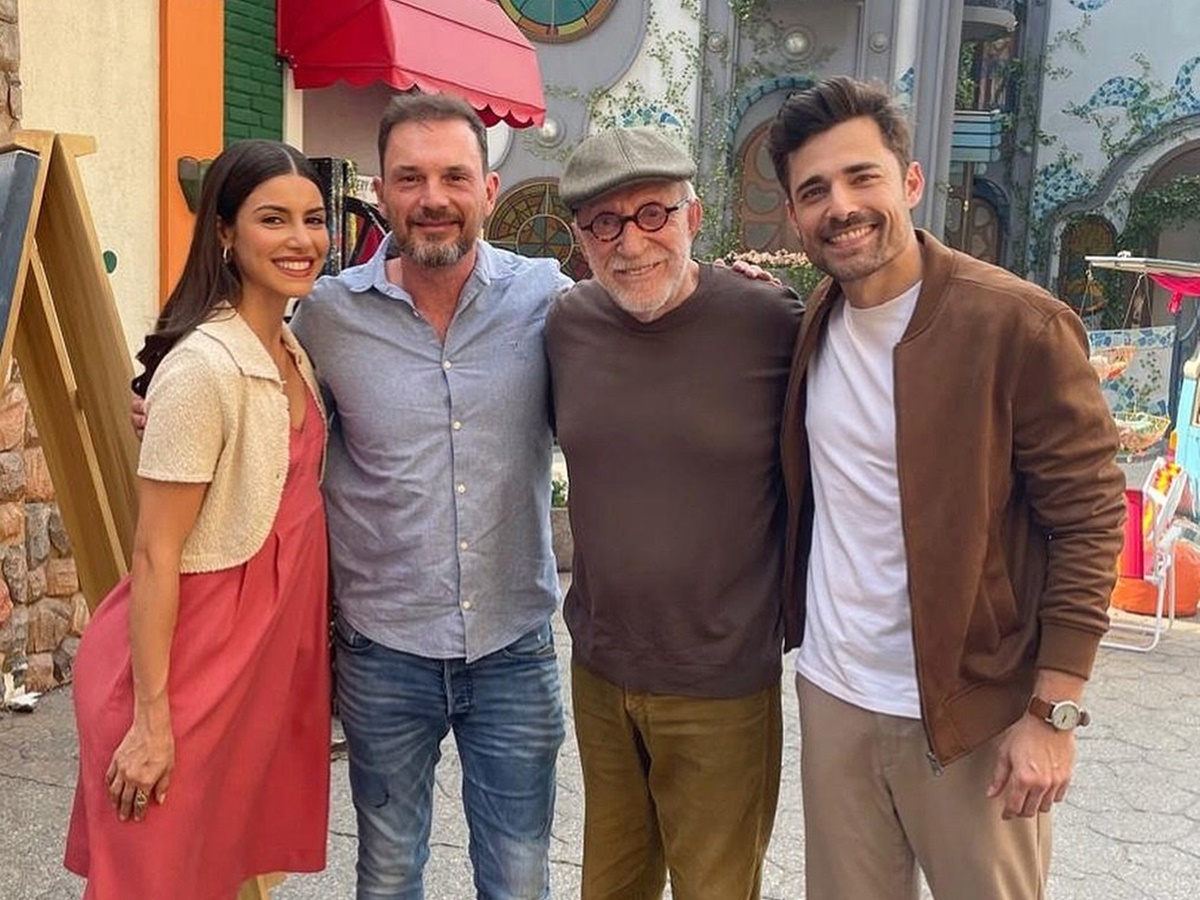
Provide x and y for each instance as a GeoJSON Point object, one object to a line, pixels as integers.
{"type": "Point", "coordinates": [1064, 715]}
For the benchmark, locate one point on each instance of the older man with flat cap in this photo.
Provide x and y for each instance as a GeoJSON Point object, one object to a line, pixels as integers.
{"type": "Point", "coordinates": [668, 379]}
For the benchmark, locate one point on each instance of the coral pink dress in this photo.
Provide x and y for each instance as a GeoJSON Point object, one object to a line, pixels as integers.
{"type": "Point", "coordinates": [249, 695]}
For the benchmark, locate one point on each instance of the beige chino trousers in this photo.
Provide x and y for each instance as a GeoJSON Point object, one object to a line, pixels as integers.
{"type": "Point", "coordinates": [874, 810]}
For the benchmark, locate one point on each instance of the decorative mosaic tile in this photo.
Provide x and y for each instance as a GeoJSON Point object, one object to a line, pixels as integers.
{"type": "Point", "coordinates": [1143, 386]}
{"type": "Point", "coordinates": [757, 91]}
{"type": "Point", "coordinates": [904, 87]}
{"type": "Point", "coordinates": [1056, 184]}
{"type": "Point", "coordinates": [649, 114]}
{"type": "Point", "coordinates": [1124, 92]}
{"type": "Point", "coordinates": [1120, 90]}
{"type": "Point", "coordinates": [1187, 86]}
{"type": "Point", "coordinates": [1061, 181]}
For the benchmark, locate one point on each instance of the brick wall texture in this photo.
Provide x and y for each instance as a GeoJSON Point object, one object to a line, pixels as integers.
{"type": "Point", "coordinates": [253, 75]}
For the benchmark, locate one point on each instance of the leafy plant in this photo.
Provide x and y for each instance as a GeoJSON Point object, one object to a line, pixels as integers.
{"type": "Point", "coordinates": [967, 87]}
{"type": "Point", "coordinates": [558, 491]}
{"type": "Point", "coordinates": [1164, 206]}
{"type": "Point", "coordinates": [793, 269]}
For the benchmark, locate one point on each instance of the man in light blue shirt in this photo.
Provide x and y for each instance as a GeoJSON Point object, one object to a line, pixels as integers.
{"type": "Point", "coordinates": [438, 491]}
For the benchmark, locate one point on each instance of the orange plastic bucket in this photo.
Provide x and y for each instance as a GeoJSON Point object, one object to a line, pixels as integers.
{"type": "Point", "coordinates": [1187, 577]}
{"type": "Point", "coordinates": [1135, 595]}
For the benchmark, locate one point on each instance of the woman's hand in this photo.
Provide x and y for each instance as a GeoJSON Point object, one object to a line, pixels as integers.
{"type": "Point", "coordinates": [137, 415]}
{"type": "Point", "coordinates": [141, 766]}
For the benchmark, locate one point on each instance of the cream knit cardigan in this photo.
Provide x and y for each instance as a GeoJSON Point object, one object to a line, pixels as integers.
{"type": "Point", "coordinates": [217, 414]}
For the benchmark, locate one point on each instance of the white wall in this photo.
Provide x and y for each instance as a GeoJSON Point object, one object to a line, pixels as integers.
{"type": "Point", "coordinates": [1109, 34]}
{"type": "Point", "coordinates": [92, 68]}
{"type": "Point", "coordinates": [650, 77]}
{"type": "Point", "coordinates": [342, 121]}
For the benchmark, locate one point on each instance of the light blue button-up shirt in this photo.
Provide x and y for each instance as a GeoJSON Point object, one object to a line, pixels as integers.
{"type": "Point", "coordinates": [438, 476]}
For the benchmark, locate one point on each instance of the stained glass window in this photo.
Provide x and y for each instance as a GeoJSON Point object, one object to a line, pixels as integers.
{"type": "Point", "coordinates": [531, 220]}
{"type": "Point", "coordinates": [983, 231]}
{"type": "Point", "coordinates": [974, 230]}
{"type": "Point", "coordinates": [762, 206]}
{"type": "Point", "coordinates": [557, 21]}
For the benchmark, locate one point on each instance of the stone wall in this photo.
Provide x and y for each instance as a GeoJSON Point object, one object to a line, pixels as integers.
{"type": "Point", "coordinates": [10, 61]}
{"type": "Point", "coordinates": [42, 612]}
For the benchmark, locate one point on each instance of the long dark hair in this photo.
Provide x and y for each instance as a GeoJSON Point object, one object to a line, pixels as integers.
{"type": "Point", "coordinates": [208, 280]}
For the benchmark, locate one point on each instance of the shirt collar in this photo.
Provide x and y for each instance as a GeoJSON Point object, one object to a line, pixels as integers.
{"type": "Point", "coordinates": [232, 332]}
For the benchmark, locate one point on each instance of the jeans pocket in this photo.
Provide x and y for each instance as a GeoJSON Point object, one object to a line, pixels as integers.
{"type": "Point", "coordinates": [348, 638]}
{"type": "Point", "coordinates": [536, 644]}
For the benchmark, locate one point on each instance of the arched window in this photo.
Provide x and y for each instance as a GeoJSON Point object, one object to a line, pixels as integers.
{"type": "Point", "coordinates": [531, 220]}
{"type": "Point", "coordinates": [761, 213]}
{"type": "Point", "coordinates": [974, 230]}
{"type": "Point", "coordinates": [1084, 236]}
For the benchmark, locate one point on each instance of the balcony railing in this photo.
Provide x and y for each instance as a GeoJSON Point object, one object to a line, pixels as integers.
{"type": "Point", "coordinates": [977, 135]}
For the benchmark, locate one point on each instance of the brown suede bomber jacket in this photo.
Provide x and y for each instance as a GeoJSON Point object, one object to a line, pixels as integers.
{"type": "Point", "coordinates": [1011, 501]}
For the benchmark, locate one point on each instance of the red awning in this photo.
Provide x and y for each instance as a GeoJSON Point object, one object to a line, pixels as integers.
{"type": "Point", "coordinates": [466, 47]}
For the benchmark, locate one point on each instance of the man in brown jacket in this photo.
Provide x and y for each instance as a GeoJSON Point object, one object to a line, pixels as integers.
{"type": "Point", "coordinates": [954, 517]}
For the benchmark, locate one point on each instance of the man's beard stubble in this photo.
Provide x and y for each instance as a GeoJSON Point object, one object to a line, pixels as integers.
{"type": "Point", "coordinates": [436, 255]}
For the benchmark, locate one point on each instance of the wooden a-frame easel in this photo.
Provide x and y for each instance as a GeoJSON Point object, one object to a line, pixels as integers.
{"type": "Point", "coordinates": [61, 325]}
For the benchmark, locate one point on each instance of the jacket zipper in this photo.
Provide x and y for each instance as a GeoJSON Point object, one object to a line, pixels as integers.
{"type": "Point", "coordinates": [934, 765]}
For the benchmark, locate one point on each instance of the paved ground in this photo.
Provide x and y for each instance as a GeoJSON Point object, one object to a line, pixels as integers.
{"type": "Point", "coordinates": [1130, 829]}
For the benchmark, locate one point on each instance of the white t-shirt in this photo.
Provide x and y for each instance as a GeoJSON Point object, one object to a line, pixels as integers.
{"type": "Point", "coordinates": [858, 641]}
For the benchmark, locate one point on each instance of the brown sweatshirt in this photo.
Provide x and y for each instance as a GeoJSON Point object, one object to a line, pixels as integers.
{"type": "Point", "coordinates": [671, 434]}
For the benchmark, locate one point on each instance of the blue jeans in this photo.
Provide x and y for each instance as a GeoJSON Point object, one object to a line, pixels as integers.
{"type": "Point", "coordinates": [506, 713]}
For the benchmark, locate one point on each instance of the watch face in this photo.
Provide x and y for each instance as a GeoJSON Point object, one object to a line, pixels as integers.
{"type": "Point", "coordinates": [1064, 716]}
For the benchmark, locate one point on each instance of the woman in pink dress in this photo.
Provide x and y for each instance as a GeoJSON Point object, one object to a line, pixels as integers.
{"type": "Point", "coordinates": [202, 682]}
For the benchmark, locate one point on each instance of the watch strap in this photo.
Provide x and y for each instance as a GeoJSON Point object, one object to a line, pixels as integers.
{"type": "Point", "coordinates": [1040, 708]}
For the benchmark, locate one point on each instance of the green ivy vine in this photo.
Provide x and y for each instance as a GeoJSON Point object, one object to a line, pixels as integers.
{"type": "Point", "coordinates": [1120, 130]}
{"type": "Point", "coordinates": [677, 58]}
{"type": "Point", "coordinates": [1156, 209]}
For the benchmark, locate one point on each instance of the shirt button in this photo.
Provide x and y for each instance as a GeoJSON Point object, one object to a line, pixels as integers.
{"type": "Point", "coordinates": [463, 545]}
{"type": "Point", "coordinates": [466, 604]}
{"type": "Point", "coordinates": [457, 426]}
{"type": "Point", "coordinates": [446, 364]}
{"type": "Point", "coordinates": [461, 488]}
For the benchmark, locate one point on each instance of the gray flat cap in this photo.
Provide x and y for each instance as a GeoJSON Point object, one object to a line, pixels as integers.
{"type": "Point", "coordinates": [619, 157]}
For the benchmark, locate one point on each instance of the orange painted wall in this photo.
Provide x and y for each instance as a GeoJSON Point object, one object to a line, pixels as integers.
{"type": "Point", "coordinates": [191, 114]}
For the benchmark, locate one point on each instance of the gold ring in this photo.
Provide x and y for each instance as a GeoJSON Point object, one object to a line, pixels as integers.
{"type": "Point", "coordinates": [140, 799]}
